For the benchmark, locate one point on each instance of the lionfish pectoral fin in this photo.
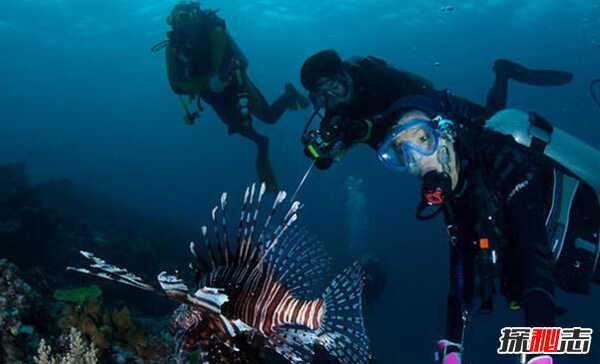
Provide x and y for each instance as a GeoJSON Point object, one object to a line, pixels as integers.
{"type": "Point", "coordinates": [342, 332]}
{"type": "Point", "coordinates": [100, 268]}
{"type": "Point", "coordinates": [172, 284]}
{"type": "Point", "coordinates": [214, 295]}
{"type": "Point", "coordinates": [295, 344]}
{"type": "Point", "coordinates": [242, 326]}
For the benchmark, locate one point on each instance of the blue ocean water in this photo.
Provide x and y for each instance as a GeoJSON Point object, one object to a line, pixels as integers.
{"type": "Point", "coordinates": [83, 97]}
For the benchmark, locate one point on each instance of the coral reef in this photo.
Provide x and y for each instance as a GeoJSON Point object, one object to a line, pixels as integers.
{"type": "Point", "coordinates": [17, 301]}
{"type": "Point", "coordinates": [116, 337]}
{"type": "Point", "coordinates": [78, 295]}
{"type": "Point", "coordinates": [79, 352]}
{"type": "Point", "coordinates": [42, 228]}
{"type": "Point", "coordinates": [112, 332]}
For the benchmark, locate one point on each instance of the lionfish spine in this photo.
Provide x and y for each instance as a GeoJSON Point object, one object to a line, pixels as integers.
{"type": "Point", "coordinates": [273, 243]}
{"type": "Point", "coordinates": [224, 227]}
{"type": "Point", "coordinates": [245, 237]}
{"type": "Point", "coordinates": [279, 199]}
{"type": "Point", "coordinates": [242, 227]}
{"type": "Point", "coordinates": [218, 247]}
{"type": "Point", "coordinates": [204, 264]}
{"type": "Point", "coordinates": [242, 215]}
{"type": "Point", "coordinates": [263, 188]}
{"type": "Point", "coordinates": [293, 209]}
{"type": "Point", "coordinates": [211, 257]}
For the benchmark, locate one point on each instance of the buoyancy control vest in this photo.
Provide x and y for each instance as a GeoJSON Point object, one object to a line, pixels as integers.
{"type": "Point", "coordinates": [573, 232]}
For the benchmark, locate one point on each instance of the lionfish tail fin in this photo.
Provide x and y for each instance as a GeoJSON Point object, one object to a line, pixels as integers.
{"type": "Point", "coordinates": [100, 268]}
{"type": "Point", "coordinates": [343, 332]}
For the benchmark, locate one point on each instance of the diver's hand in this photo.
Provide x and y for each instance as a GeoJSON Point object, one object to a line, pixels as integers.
{"type": "Point", "coordinates": [357, 131]}
{"type": "Point", "coordinates": [216, 85]}
{"type": "Point", "coordinates": [323, 163]}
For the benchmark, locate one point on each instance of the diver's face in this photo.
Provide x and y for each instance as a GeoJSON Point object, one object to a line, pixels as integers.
{"type": "Point", "coordinates": [421, 150]}
{"type": "Point", "coordinates": [334, 92]}
{"type": "Point", "coordinates": [415, 145]}
{"type": "Point", "coordinates": [184, 21]}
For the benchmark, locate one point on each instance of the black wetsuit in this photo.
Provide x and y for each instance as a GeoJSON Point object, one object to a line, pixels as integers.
{"type": "Point", "coordinates": [215, 53]}
{"type": "Point", "coordinates": [377, 86]}
{"type": "Point", "coordinates": [514, 186]}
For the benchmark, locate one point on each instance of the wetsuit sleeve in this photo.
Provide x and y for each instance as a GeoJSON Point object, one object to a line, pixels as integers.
{"type": "Point", "coordinates": [181, 85]}
{"type": "Point", "coordinates": [525, 217]}
{"type": "Point", "coordinates": [383, 85]}
{"type": "Point", "coordinates": [520, 182]}
{"type": "Point", "coordinates": [219, 41]}
{"type": "Point", "coordinates": [390, 84]}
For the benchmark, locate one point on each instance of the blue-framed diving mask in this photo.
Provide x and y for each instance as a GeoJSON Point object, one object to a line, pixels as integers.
{"type": "Point", "coordinates": [407, 144]}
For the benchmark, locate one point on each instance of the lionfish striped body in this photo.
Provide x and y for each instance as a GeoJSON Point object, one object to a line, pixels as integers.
{"type": "Point", "coordinates": [261, 290]}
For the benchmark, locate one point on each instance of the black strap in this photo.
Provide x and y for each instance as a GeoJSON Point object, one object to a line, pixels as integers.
{"type": "Point", "coordinates": [541, 132]}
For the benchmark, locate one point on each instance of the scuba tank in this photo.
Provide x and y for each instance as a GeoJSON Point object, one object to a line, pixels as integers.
{"type": "Point", "coordinates": [532, 131]}
{"type": "Point", "coordinates": [576, 171]}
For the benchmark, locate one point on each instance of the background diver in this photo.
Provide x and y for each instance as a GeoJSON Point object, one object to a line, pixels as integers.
{"type": "Point", "coordinates": [520, 201]}
{"type": "Point", "coordinates": [351, 93]}
{"type": "Point", "coordinates": [205, 63]}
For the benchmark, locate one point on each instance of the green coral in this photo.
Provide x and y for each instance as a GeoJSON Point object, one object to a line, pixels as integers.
{"type": "Point", "coordinates": [78, 295]}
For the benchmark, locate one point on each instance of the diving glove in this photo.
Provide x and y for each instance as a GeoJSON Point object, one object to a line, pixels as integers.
{"type": "Point", "coordinates": [296, 99]}
{"type": "Point", "coordinates": [449, 352]}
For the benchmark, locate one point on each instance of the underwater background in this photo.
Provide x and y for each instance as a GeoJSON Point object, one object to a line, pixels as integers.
{"type": "Point", "coordinates": [84, 99]}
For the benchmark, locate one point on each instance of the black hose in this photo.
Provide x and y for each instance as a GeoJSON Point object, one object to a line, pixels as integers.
{"type": "Point", "coordinates": [593, 91]}
{"type": "Point", "coordinates": [316, 113]}
{"type": "Point", "coordinates": [159, 46]}
{"type": "Point", "coordinates": [420, 214]}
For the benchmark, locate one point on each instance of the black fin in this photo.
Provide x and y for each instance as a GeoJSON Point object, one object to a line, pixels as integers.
{"type": "Point", "coordinates": [514, 71]}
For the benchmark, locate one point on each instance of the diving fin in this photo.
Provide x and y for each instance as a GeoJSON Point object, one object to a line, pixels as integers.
{"type": "Point", "coordinates": [514, 71]}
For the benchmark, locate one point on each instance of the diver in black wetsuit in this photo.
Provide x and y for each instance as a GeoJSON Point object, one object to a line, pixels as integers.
{"type": "Point", "coordinates": [519, 198]}
{"type": "Point", "coordinates": [353, 92]}
{"type": "Point", "coordinates": [204, 63]}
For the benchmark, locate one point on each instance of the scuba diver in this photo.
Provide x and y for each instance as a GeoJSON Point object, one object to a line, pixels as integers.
{"type": "Point", "coordinates": [520, 202]}
{"type": "Point", "coordinates": [205, 64]}
{"type": "Point", "coordinates": [353, 92]}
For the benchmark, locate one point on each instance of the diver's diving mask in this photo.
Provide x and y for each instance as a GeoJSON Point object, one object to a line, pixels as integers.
{"type": "Point", "coordinates": [187, 15]}
{"type": "Point", "coordinates": [407, 144]}
{"type": "Point", "coordinates": [330, 92]}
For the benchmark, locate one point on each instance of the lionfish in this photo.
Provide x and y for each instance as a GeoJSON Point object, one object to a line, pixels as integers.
{"type": "Point", "coordinates": [264, 291]}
